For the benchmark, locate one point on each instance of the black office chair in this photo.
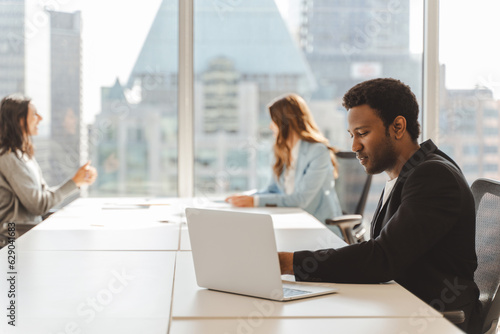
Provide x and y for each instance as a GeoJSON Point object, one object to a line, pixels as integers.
{"type": "Point", "coordinates": [4, 235]}
{"type": "Point", "coordinates": [487, 276]}
{"type": "Point", "coordinates": [3, 241]}
{"type": "Point", "coordinates": [487, 198]}
{"type": "Point", "coordinates": [20, 230]}
{"type": "Point", "coordinates": [352, 187]}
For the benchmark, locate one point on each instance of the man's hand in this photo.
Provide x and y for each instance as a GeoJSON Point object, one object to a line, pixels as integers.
{"type": "Point", "coordinates": [240, 200]}
{"type": "Point", "coordinates": [286, 263]}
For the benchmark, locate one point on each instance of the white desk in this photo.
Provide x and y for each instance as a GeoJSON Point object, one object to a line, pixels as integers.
{"type": "Point", "coordinates": [294, 229]}
{"type": "Point", "coordinates": [258, 325]}
{"type": "Point", "coordinates": [158, 238]}
{"type": "Point", "coordinates": [55, 281]}
{"type": "Point", "coordinates": [111, 224]}
{"type": "Point", "coordinates": [107, 224]}
{"type": "Point", "coordinates": [352, 300]}
{"type": "Point", "coordinates": [97, 292]}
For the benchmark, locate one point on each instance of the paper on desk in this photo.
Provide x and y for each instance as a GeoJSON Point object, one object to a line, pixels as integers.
{"type": "Point", "coordinates": [131, 205]}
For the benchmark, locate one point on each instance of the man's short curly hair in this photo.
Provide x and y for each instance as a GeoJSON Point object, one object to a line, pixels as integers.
{"type": "Point", "coordinates": [390, 98]}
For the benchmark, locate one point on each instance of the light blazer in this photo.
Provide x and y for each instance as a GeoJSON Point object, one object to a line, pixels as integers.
{"type": "Point", "coordinates": [313, 188]}
{"type": "Point", "coordinates": [24, 196]}
{"type": "Point", "coordinates": [423, 238]}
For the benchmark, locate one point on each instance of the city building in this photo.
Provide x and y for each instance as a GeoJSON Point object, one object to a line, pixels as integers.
{"type": "Point", "coordinates": [12, 47]}
{"type": "Point", "coordinates": [65, 95]}
{"type": "Point", "coordinates": [347, 42]}
{"type": "Point", "coordinates": [469, 123]}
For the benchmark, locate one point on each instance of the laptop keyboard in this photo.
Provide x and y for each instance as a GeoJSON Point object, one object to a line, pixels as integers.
{"type": "Point", "coordinates": [293, 292]}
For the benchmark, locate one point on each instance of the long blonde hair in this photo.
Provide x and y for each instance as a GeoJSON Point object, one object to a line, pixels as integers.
{"type": "Point", "coordinates": [291, 114]}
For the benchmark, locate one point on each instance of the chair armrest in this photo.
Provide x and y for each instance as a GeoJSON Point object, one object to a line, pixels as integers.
{"type": "Point", "coordinates": [455, 317]}
{"type": "Point", "coordinates": [345, 220]}
{"type": "Point", "coordinates": [49, 213]}
{"type": "Point", "coordinates": [350, 226]}
{"type": "Point", "coordinates": [4, 240]}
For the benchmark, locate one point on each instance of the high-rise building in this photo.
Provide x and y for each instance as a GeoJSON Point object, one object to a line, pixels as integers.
{"type": "Point", "coordinates": [469, 126]}
{"type": "Point", "coordinates": [347, 42]}
{"type": "Point", "coordinates": [220, 84]}
{"type": "Point", "coordinates": [134, 146]}
{"type": "Point", "coordinates": [244, 58]}
{"type": "Point", "coordinates": [65, 94]}
{"type": "Point", "coordinates": [12, 47]}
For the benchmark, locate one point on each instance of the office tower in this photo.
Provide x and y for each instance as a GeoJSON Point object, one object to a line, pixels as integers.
{"type": "Point", "coordinates": [65, 93]}
{"type": "Point", "coordinates": [133, 146]}
{"type": "Point", "coordinates": [347, 42]}
{"type": "Point", "coordinates": [469, 122]}
{"type": "Point", "coordinates": [220, 82]}
{"type": "Point", "coordinates": [12, 47]}
{"type": "Point", "coordinates": [237, 73]}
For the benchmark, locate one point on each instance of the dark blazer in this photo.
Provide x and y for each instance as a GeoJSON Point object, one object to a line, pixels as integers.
{"type": "Point", "coordinates": [423, 238]}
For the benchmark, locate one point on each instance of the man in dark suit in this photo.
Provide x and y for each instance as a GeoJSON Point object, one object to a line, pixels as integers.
{"type": "Point", "coordinates": [423, 231]}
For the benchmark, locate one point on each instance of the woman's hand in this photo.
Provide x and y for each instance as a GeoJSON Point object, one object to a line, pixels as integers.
{"type": "Point", "coordinates": [240, 200]}
{"type": "Point", "coordinates": [85, 175]}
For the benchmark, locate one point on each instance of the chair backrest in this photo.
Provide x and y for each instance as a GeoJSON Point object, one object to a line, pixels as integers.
{"type": "Point", "coordinates": [487, 276]}
{"type": "Point", "coordinates": [353, 183]}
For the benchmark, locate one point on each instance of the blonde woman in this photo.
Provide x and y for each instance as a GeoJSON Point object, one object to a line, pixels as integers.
{"type": "Point", "coordinates": [304, 170]}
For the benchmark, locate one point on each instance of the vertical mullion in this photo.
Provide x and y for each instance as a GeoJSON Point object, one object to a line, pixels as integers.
{"type": "Point", "coordinates": [185, 167]}
{"type": "Point", "coordinates": [431, 75]}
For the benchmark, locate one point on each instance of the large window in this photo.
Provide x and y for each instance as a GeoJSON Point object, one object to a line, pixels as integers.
{"type": "Point", "coordinates": [245, 55]}
{"type": "Point", "coordinates": [249, 52]}
{"type": "Point", "coordinates": [104, 77]}
{"type": "Point", "coordinates": [106, 81]}
{"type": "Point", "coordinates": [470, 86]}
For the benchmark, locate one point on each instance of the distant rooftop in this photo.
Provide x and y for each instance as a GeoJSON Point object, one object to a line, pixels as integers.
{"type": "Point", "coordinates": [114, 93]}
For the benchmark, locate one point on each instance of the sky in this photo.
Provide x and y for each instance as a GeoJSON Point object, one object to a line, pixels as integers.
{"type": "Point", "coordinates": [111, 42]}
{"type": "Point", "coordinates": [469, 43]}
{"type": "Point", "coordinates": [112, 39]}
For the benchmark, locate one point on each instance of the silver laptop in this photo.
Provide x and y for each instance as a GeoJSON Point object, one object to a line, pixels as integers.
{"type": "Point", "coordinates": [236, 252]}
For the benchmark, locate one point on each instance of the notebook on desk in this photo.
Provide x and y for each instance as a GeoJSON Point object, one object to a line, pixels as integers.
{"type": "Point", "coordinates": [236, 252]}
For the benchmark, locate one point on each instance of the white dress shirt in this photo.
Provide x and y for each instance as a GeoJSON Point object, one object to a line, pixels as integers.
{"type": "Point", "coordinates": [387, 190]}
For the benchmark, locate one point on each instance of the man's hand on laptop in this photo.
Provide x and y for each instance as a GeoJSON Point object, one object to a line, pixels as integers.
{"type": "Point", "coordinates": [286, 263]}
